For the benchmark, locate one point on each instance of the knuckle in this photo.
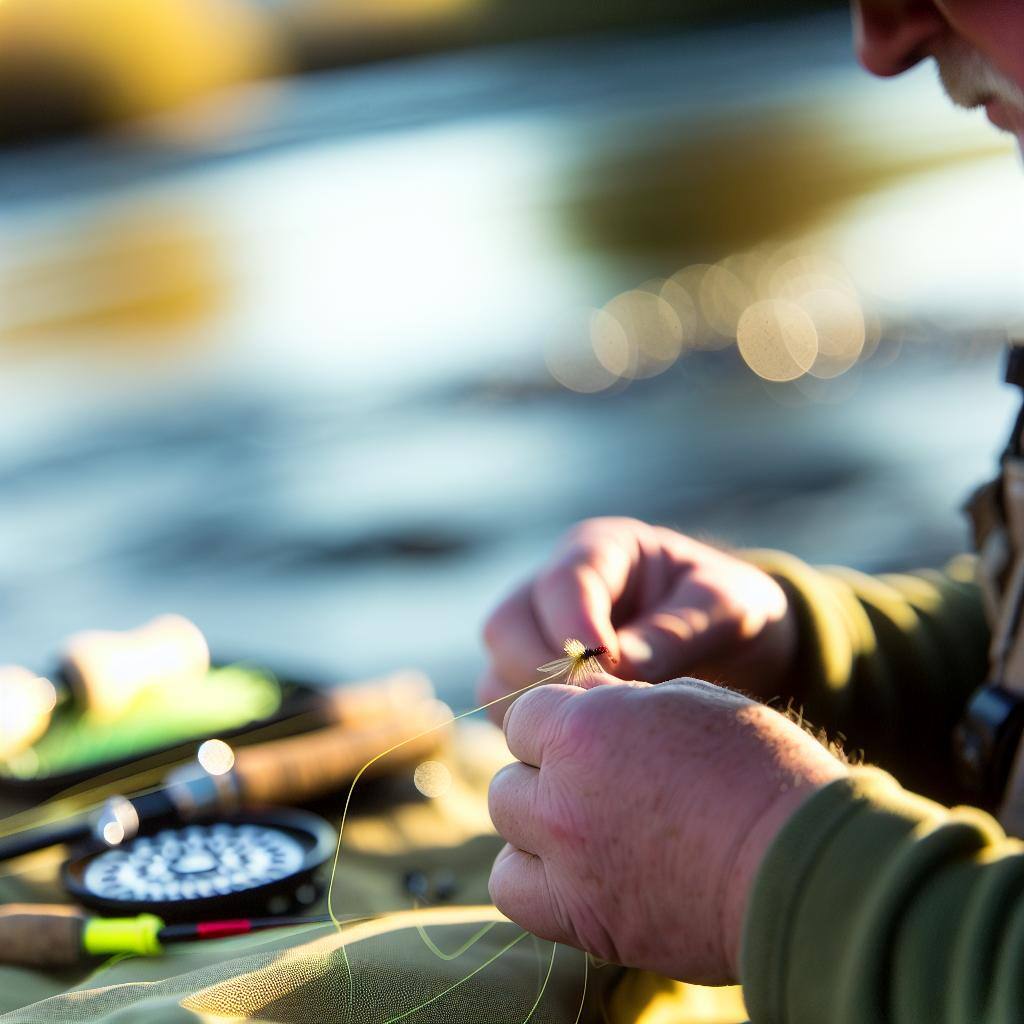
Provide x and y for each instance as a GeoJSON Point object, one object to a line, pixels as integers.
{"type": "Point", "coordinates": [601, 530]}
{"type": "Point", "coordinates": [587, 720]}
{"type": "Point", "coordinates": [562, 916]}
{"type": "Point", "coordinates": [527, 708]}
{"type": "Point", "coordinates": [563, 821]}
{"type": "Point", "coordinates": [498, 791]}
{"type": "Point", "coordinates": [497, 889]}
{"type": "Point", "coordinates": [602, 526]}
{"type": "Point", "coordinates": [583, 527]}
{"type": "Point", "coordinates": [496, 811]}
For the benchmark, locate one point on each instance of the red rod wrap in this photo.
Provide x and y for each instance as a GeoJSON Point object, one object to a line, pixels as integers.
{"type": "Point", "coordinates": [222, 929]}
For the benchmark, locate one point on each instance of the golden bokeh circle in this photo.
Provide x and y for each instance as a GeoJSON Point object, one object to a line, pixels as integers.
{"type": "Point", "coordinates": [652, 332]}
{"type": "Point", "coordinates": [723, 297]}
{"type": "Point", "coordinates": [432, 779]}
{"type": "Point", "coordinates": [839, 322]}
{"type": "Point", "coordinates": [613, 347]}
{"type": "Point", "coordinates": [571, 362]}
{"type": "Point", "coordinates": [777, 339]}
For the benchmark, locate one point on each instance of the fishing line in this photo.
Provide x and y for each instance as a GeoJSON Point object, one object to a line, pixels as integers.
{"type": "Point", "coordinates": [583, 995]}
{"type": "Point", "coordinates": [451, 988]}
{"type": "Point", "coordinates": [134, 870]}
{"type": "Point", "coordinates": [544, 985]}
{"type": "Point", "coordinates": [440, 954]}
{"type": "Point", "coordinates": [577, 662]}
{"type": "Point", "coordinates": [397, 746]}
{"type": "Point", "coordinates": [348, 800]}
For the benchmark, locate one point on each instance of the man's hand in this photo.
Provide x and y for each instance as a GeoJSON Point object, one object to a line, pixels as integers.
{"type": "Point", "coordinates": [663, 604]}
{"type": "Point", "coordinates": [637, 816]}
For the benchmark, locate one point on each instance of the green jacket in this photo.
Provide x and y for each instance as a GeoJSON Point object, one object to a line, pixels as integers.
{"type": "Point", "coordinates": [876, 904]}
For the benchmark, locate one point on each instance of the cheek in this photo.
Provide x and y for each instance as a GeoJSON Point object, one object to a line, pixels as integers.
{"type": "Point", "coordinates": [995, 27]}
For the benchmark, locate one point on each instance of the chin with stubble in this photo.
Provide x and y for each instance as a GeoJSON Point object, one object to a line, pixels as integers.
{"type": "Point", "coordinates": [971, 80]}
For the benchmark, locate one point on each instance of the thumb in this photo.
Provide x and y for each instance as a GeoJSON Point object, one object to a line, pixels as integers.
{"type": "Point", "coordinates": [590, 682]}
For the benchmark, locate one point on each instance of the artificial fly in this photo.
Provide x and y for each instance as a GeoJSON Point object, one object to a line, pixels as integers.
{"type": "Point", "coordinates": [579, 661]}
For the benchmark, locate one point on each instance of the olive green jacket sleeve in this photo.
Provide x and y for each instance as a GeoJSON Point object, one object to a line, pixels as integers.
{"type": "Point", "coordinates": [886, 663]}
{"type": "Point", "coordinates": [876, 905]}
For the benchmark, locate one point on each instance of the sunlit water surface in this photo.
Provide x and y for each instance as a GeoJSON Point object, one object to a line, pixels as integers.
{"type": "Point", "coordinates": [289, 379]}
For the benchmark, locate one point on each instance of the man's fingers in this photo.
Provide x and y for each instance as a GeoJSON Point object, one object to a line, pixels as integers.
{"type": "Point", "coordinates": [534, 720]}
{"type": "Point", "coordinates": [519, 889]}
{"type": "Point", "coordinates": [589, 682]}
{"type": "Point", "coordinates": [515, 640]}
{"type": "Point", "coordinates": [675, 637]}
{"type": "Point", "coordinates": [512, 802]}
{"type": "Point", "coordinates": [573, 599]}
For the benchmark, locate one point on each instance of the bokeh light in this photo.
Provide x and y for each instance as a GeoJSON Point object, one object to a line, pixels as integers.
{"type": "Point", "coordinates": [216, 757]}
{"type": "Point", "coordinates": [113, 833]}
{"type": "Point", "coordinates": [572, 362]}
{"type": "Point", "coordinates": [613, 347]}
{"type": "Point", "coordinates": [839, 322]}
{"type": "Point", "coordinates": [723, 298]}
{"type": "Point", "coordinates": [432, 779]}
{"type": "Point", "coordinates": [27, 701]}
{"type": "Point", "coordinates": [638, 333]}
{"type": "Point", "coordinates": [777, 339]}
{"type": "Point", "coordinates": [790, 309]}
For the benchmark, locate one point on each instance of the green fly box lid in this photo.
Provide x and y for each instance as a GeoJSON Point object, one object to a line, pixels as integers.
{"type": "Point", "coordinates": [163, 723]}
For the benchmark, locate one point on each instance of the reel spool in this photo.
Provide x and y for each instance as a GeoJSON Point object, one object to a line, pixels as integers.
{"type": "Point", "coordinates": [258, 863]}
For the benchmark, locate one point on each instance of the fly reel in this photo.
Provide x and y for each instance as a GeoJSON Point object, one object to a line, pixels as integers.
{"type": "Point", "coordinates": [271, 862]}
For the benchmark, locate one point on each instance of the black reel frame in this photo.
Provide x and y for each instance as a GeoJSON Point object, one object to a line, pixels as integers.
{"type": "Point", "coordinates": [290, 893]}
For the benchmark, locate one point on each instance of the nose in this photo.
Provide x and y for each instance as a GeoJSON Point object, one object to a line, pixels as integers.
{"type": "Point", "coordinates": [892, 36]}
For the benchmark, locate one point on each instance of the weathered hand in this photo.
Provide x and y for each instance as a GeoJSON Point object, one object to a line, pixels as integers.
{"type": "Point", "coordinates": [637, 816]}
{"type": "Point", "coordinates": [663, 604]}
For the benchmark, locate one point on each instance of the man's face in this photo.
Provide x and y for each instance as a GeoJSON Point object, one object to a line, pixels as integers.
{"type": "Point", "coordinates": [977, 44]}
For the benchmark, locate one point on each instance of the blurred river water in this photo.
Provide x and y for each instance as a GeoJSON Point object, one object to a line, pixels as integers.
{"type": "Point", "coordinates": [290, 363]}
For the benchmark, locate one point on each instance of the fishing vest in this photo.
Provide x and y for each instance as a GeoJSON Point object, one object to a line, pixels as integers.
{"type": "Point", "coordinates": [988, 738]}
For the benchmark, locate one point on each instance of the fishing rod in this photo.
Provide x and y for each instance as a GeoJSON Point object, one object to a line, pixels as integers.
{"type": "Point", "coordinates": [291, 770]}
{"type": "Point", "coordinates": [45, 935]}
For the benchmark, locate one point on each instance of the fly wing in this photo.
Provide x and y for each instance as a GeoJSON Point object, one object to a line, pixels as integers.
{"type": "Point", "coordinates": [558, 667]}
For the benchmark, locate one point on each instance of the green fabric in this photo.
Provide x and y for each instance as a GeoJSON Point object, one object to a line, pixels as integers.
{"type": "Point", "coordinates": [887, 663]}
{"type": "Point", "coordinates": [875, 904]}
{"type": "Point", "coordinates": [878, 905]}
{"type": "Point", "coordinates": [400, 959]}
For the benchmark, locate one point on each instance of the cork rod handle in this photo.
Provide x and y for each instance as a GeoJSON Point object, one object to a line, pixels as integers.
{"type": "Point", "coordinates": [304, 767]}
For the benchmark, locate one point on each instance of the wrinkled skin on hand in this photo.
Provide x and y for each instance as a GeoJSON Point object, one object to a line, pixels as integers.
{"type": "Point", "coordinates": [663, 604]}
{"type": "Point", "coordinates": [637, 816]}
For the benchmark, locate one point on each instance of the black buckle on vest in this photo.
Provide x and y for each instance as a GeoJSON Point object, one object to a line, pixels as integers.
{"type": "Point", "coordinates": [1015, 375]}
{"type": "Point", "coordinates": [1015, 364]}
{"type": "Point", "coordinates": [986, 741]}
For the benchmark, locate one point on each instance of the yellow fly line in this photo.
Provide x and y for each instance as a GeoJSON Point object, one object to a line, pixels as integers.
{"type": "Point", "coordinates": [578, 662]}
